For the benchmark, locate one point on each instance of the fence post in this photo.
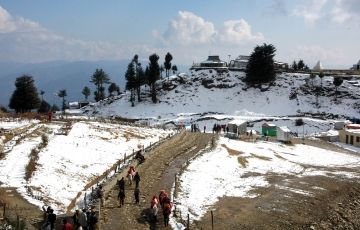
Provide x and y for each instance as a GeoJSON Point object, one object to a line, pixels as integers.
{"type": "Point", "coordinates": [188, 222]}
{"type": "Point", "coordinates": [175, 195]}
{"type": "Point", "coordinates": [85, 201]}
{"type": "Point", "coordinates": [17, 222]}
{"type": "Point", "coordinates": [212, 220]}
{"type": "Point", "coordinates": [124, 158]}
{"type": "Point", "coordinates": [99, 225]}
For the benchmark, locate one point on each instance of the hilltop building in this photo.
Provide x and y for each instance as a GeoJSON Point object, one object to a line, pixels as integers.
{"type": "Point", "coordinates": [241, 62]}
{"type": "Point", "coordinates": [213, 62]}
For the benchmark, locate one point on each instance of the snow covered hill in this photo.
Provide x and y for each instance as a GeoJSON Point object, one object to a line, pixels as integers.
{"type": "Point", "coordinates": [70, 160]}
{"type": "Point", "coordinates": [208, 92]}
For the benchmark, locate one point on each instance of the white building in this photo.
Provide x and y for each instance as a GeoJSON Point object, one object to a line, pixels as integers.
{"type": "Point", "coordinates": [213, 62]}
{"type": "Point", "coordinates": [240, 62]}
{"type": "Point", "coordinates": [237, 126]}
{"type": "Point", "coordinates": [283, 134]}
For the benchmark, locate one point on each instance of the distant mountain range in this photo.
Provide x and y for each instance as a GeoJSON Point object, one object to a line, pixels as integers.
{"type": "Point", "coordinates": [53, 76]}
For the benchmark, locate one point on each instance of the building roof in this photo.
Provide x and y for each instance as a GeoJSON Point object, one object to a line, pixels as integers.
{"type": "Point", "coordinates": [284, 129]}
{"type": "Point", "coordinates": [353, 126]}
{"type": "Point", "coordinates": [268, 125]}
{"type": "Point", "coordinates": [237, 122]}
{"type": "Point", "coordinates": [214, 58]}
{"type": "Point", "coordinates": [242, 58]}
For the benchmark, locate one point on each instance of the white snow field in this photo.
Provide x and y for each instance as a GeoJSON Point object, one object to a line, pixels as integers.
{"type": "Point", "coordinates": [71, 161]}
{"type": "Point", "coordinates": [206, 92]}
{"type": "Point", "coordinates": [219, 173]}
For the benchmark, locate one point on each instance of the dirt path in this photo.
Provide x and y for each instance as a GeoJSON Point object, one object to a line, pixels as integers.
{"type": "Point", "coordinates": [158, 172]}
{"type": "Point", "coordinates": [16, 205]}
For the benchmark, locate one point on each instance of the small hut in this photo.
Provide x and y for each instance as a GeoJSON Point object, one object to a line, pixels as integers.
{"type": "Point", "coordinates": [237, 126]}
{"type": "Point", "coordinates": [283, 134]}
{"type": "Point", "coordinates": [268, 129]}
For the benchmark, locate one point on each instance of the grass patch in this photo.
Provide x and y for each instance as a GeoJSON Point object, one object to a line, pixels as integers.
{"type": "Point", "coordinates": [132, 134]}
{"type": "Point", "coordinates": [261, 157]}
{"type": "Point", "coordinates": [31, 166]}
{"type": "Point", "coordinates": [34, 157]}
{"type": "Point", "coordinates": [280, 157]}
{"type": "Point", "coordinates": [232, 152]}
{"type": "Point", "coordinates": [243, 161]}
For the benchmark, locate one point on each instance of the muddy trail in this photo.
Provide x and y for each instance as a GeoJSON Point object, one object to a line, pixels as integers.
{"type": "Point", "coordinates": [157, 172]}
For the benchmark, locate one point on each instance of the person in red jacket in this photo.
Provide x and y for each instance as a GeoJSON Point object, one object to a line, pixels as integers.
{"type": "Point", "coordinates": [66, 225]}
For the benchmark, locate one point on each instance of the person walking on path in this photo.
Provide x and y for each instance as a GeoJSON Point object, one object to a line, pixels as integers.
{"type": "Point", "coordinates": [121, 197]}
{"type": "Point", "coordinates": [121, 184]}
{"type": "Point", "coordinates": [93, 219]}
{"type": "Point", "coordinates": [137, 195]}
{"type": "Point", "coordinates": [52, 219]}
{"type": "Point", "coordinates": [67, 225]}
{"type": "Point", "coordinates": [137, 179]}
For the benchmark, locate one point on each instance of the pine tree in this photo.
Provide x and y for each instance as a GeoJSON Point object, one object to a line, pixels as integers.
{"type": "Point", "coordinates": [260, 67]}
{"type": "Point", "coordinates": [86, 92]}
{"type": "Point", "coordinates": [25, 97]}
{"type": "Point", "coordinates": [294, 65]}
{"type": "Point", "coordinates": [62, 93]}
{"type": "Point", "coordinates": [44, 107]}
{"type": "Point", "coordinates": [174, 69]}
{"type": "Point", "coordinates": [337, 82]}
{"type": "Point", "coordinates": [99, 78]}
{"type": "Point", "coordinates": [113, 87]}
{"type": "Point", "coordinates": [139, 74]}
{"type": "Point", "coordinates": [130, 77]}
{"type": "Point", "coordinates": [154, 74]}
{"type": "Point", "coordinates": [301, 65]}
{"type": "Point", "coordinates": [167, 64]}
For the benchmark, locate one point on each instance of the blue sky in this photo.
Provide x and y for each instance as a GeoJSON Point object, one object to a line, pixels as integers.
{"type": "Point", "coordinates": [42, 30]}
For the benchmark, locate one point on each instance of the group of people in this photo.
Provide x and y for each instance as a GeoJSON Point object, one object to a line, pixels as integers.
{"type": "Point", "coordinates": [165, 203]}
{"type": "Point", "coordinates": [83, 219]}
{"type": "Point", "coordinates": [132, 175]}
{"type": "Point", "coordinates": [217, 128]}
{"type": "Point", "coordinates": [195, 128]}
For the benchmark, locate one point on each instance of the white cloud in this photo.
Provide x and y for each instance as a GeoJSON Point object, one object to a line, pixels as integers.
{"type": "Point", "coordinates": [9, 24]}
{"type": "Point", "coordinates": [311, 11]}
{"type": "Point", "coordinates": [23, 40]}
{"type": "Point", "coordinates": [188, 29]}
{"type": "Point", "coordinates": [238, 31]}
{"type": "Point", "coordinates": [346, 11]}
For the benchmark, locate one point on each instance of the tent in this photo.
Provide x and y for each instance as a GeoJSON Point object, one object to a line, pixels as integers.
{"type": "Point", "coordinates": [318, 66]}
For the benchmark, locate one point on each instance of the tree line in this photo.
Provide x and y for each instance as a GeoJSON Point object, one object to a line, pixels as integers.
{"type": "Point", "coordinates": [26, 97]}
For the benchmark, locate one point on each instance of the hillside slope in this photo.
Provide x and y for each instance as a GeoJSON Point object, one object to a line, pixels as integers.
{"type": "Point", "coordinates": [209, 92]}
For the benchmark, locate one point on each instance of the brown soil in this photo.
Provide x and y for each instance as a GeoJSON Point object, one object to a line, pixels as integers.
{"type": "Point", "coordinates": [157, 172]}
{"type": "Point", "coordinates": [16, 205]}
{"type": "Point", "coordinates": [333, 203]}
